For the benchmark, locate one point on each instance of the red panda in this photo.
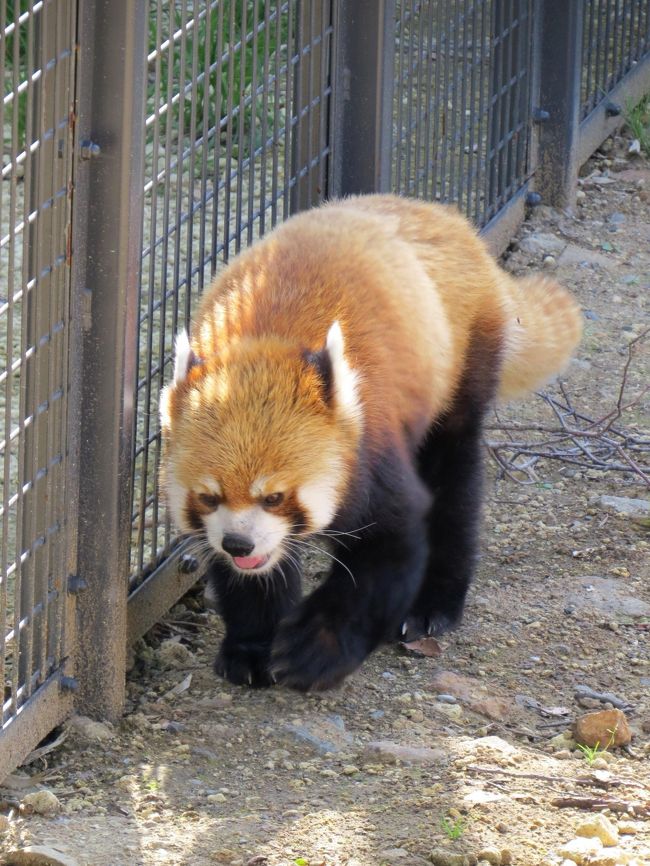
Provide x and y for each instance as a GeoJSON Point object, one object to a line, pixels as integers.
{"type": "Point", "coordinates": [336, 381]}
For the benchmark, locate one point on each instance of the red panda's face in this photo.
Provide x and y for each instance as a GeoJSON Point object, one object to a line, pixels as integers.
{"type": "Point", "coordinates": [257, 452]}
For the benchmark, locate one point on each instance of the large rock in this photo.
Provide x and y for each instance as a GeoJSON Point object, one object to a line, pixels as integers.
{"type": "Point", "coordinates": [605, 728]}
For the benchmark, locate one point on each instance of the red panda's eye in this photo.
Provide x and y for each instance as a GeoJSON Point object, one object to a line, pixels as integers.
{"type": "Point", "coordinates": [209, 500]}
{"type": "Point", "coordinates": [273, 499]}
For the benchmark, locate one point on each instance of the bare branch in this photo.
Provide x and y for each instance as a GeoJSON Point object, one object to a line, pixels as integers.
{"type": "Point", "coordinates": [575, 438]}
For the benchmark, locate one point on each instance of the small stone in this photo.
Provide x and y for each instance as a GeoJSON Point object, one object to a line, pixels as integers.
{"type": "Point", "coordinates": [490, 855]}
{"type": "Point", "coordinates": [599, 763]}
{"type": "Point", "coordinates": [138, 721]}
{"type": "Point", "coordinates": [541, 242]}
{"type": "Point", "coordinates": [506, 857]}
{"type": "Point", "coordinates": [610, 857]}
{"type": "Point", "coordinates": [606, 728]}
{"type": "Point", "coordinates": [583, 257]}
{"type": "Point", "coordinates": [325, 734]}
{"type": "Point", "coordinates": [563, 755]}
{"type": "Point", "coordinates": [448, 858]}
{"type": "Point", "coordinates": [627, 828]}
{"type": "Point", "coordinates": [126, 783]}
{"type": "Point", "coordinates": [349, 770]}
{"type": "Point", "coordinates": [480, 797]}
{"type": "Point", "coordinates": [468, 692]}
{"type": "Point", "coordinates": [415, 715]}
{"type": "Point", "coordinates": [549, 261]}
{"type": "Point", "coordinates": [635, 509]}
{"type": "Point", "coordinates": [581, 195]}
{"type": "Point", "coordinates": [393, 854]}
{"type": "Point", "coordinates": [600, 827]}
{"type": "Point", "coordinates": [39, 855]}
{"type": "Point", "coordinates": [562, 741]}
{"type": "Point", "coordinates": [172, 655]}
{"type": "Point", "coordinates": [89, 729]}
{"type": "Point", "coordinates": [216, 798]}
{"type": "Point", "coordinates": [42, 803]}
{"type": "Point", "coordinates": [452, 711]}
{"type": "Point", "coordinates": [391, 753]}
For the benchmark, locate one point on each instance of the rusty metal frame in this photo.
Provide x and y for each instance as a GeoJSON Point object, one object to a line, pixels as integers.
{"type": "Point", "coordinates": [106, 269]}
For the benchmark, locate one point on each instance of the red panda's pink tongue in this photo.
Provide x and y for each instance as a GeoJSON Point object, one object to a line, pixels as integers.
{"type": "Point", "coordinates": [249, 561]}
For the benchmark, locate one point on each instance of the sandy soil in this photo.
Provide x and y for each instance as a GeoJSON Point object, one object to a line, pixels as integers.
{"type": "Point", "coordinates": [200, 772]}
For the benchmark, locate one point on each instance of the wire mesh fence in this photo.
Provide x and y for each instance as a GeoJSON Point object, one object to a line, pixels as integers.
{"type": "Point", "coordinates": [616, 36]}
{"type": "Point", "coordinates": [236, 139]}
{"type": "Point", "coordinates": [37, 67]}
{"type": "Point", "coordinates": [462, 102]}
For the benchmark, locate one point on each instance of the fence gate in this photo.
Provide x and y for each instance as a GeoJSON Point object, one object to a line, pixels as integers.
{"type": "Point", "coordinates": [37, 59]}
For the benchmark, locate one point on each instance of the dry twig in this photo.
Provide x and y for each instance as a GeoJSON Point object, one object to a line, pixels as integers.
{"type": "Point", "coordinates": [575, 438]}
{"type": "Point", "coordinates": [596, 804]}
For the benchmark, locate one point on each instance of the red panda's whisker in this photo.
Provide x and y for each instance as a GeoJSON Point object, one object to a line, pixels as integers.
{"type": "Point", "coordinates": [302, 543]}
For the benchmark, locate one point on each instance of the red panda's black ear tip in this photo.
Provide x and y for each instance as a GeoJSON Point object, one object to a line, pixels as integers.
{"type": "Point", "coordinates": [322, 364]}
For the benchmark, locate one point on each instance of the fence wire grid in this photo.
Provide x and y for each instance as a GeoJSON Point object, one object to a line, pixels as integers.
{"type": "Point", "coordinates": [616, 35]}
{"type": "Point", "coordinates": [462, 104]}
{"type": "Point", "coordinates": [37, 68]}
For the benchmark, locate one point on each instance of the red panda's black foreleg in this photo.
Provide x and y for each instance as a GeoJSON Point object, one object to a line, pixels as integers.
{"type": "Point", "coordinates": [251, 608]}
{"type": "Point", "coordinates": [369, 590]}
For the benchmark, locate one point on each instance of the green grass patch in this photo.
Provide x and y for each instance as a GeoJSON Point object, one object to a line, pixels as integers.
{"type": "Point", "coordinates": [637, 118]}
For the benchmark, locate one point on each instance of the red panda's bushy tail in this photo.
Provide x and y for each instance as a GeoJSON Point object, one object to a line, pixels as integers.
{"type": "Point", "coordinates": [546, 326]}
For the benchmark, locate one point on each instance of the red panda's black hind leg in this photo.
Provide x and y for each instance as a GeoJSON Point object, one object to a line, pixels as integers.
{"type": "Point", "coordinates": [450, 463]}
{"type": "Point", "coordinates": [251, 607]}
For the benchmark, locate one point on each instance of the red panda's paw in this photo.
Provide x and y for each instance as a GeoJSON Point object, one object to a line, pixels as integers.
{"type": "Point", "coordinates": [244, 664]}
{"type": "Point", "coordinates": [310, 654]}
{"type": "Point", "coordinates": [416, 627]}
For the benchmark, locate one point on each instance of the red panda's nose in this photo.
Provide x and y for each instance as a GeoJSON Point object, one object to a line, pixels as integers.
{"type": "Point", "coordinates": [237, 545]}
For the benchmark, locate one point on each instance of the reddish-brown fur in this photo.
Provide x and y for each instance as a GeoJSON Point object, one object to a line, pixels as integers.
{"type": "Point", "coordinates": [408, 281]}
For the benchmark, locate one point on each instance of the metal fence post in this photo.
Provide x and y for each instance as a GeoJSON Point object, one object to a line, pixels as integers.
{"type": "Point", "coordinates": [364, 80]}
{"type": "Point", "coordinates": [107, 230]}
{"type": "Point", "coordinates": [310, 105]}
{"type": "Point", "coordinates": [560, 55]}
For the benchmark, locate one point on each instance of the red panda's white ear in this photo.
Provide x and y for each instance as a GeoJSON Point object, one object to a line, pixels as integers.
{"type": "Point", "coordinates": [184, 357]}
{"type": "Point", "coordinates": [184, 360]}
{"type": "Point", "coordinates": [345, 380]}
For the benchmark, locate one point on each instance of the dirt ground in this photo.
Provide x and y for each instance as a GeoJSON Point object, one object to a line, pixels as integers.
{"type": "Point", "coordinates": [387, 770]}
